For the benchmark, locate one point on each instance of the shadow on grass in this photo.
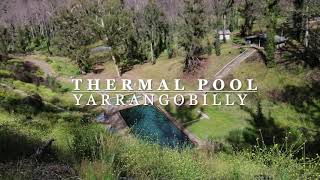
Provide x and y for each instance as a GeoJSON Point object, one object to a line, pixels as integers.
{"type": "Point", "coordinates": [186, 115]}
{"type": "Point", "coordinates": [305, 100]}
{"type": "Point", "coordinates": [262, 131]}
{"type": "Point", "coordinates": [14, 145]}
{"type": "Point", "coordinates": [263, 128]}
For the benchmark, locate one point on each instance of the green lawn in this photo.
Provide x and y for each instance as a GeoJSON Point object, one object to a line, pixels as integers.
{"type": "Point", "coordinates": [170, 69]}
{"type": "Point", "coordinates": [63, 66]}
{"type": "Point", "coordinates": [221, 122]}
{"type": "Point", "coordinates": [275, 79]}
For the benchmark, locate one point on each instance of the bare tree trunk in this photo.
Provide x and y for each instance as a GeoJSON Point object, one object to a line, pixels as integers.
{"type": "Point", "coordinates": [117, 68]}
{"type": "Point", "coordinates": [306, 37]}
{"type": "Point", "coordinates": [152, 52]}
{"type": "Point", "coordinates": [152, 56]}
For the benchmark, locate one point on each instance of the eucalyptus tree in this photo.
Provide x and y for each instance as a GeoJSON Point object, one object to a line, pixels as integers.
{"type": "Point", "coordinates": [121, 36]}
{"type": "Point", "coordinates": [298, 20]}
{"type": "Point", "coordinates": [250, 11]}
{"type": "Point", "coordinates": [192, 31]}
{"type": "Point", "coordinates": [312, 32]}
{"type": "Point", "coordinates": [272, 14]}
{"type": "Point", "coordinates": [73, 34]}
{"type": "Point", "coordinates": [4, 43]}
{"type": "Point", "coordinates": [217, 45]}
{"type": "Point", "coordinates": [154, 29]}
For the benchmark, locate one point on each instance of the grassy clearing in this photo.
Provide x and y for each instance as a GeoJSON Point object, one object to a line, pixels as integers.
{"type": "Point", "coordinates": [268, 79]}
{"type": "Point", "coordinates": [224, 120]}
{"type": "Point", "coordinates": [278, 79]}
{"type": "Point", "coordinates": [220, 123]}
{"type": "Point", "coordinates": [170, 69]}
{"type": "Point", "coordinates": [63, 66]}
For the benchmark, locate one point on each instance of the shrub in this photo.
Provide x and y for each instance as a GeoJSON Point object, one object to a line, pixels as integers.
{"type": "Point", "coordinates": [8, 100]}
{"type": "Point", "coordinates": [5, 73]}
{"type": "Point", "coordinates": [84, 144]}
{"type": "Point", "coordinates": [217, 45]}
{"type": "Point", "coordinates": [70, 116]}
{"type": "Point", "coordinates": [132, 158]}
{"type": "Point", "coordinates": [238, 40]}
{"type": "Point", "coordinates": [236, 138]}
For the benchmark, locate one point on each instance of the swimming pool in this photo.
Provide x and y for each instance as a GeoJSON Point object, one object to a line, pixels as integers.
{"type": "Point", "coordinates": [149, 123]}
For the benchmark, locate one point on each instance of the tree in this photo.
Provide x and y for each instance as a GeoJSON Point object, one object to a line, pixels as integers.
{"type": "Point", "coordinates": [192, 31]}
{"type": "Point", "coordinates": [233, 18]}
{"type": "Point", "coordinates": [4, 43]}
{"type": "Point", "coordinates": [209, 47]}
{"type": "Point", "coordinates": [270, 48]}
{"type": "Point", "coordinates": [154, 27]}
{"type": "Point", "coordinates": [312, 37]}
{"type": "Point", "coordinates": [248, 13]}
{"type": "Point", "coordinates": [298, 19]}
{"type": "Point", "coordinates": [217, 45]}
{"type": "Point", "coordinates": [272, 14]}
{"type": "Point", "coordinates": [122, 36]}
{"type": "Point", "coordinates": [22, 39]}
{"type": "Point", "coordinates": [73, 34]}
{"type": "Point", "coordinates": [169, 40]}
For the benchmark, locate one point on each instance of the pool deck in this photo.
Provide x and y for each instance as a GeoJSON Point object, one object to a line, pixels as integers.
{"type": "Point", "coordinates": [117, 122]}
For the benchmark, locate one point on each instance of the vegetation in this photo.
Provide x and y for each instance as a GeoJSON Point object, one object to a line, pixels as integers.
{"type": "Point", "coordinates": [3, 43]}
{"type": "Point", "coordinates": [193, 30]}
{"type": "Point", "coordinates": [217, 45]}
{"type": "Point", "coordinates": [155, 28]}
{"type": "Point", "coordinates": [71, 25]}
{"type": "Point", "coordinates": [43, 135]}
{"type": "Point", "coordinates": [273, 12]}
{"type": "Point", "coordinates": [248, 12]}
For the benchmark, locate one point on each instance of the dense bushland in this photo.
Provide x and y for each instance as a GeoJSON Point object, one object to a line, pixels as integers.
{"type": "Point", "coordinates": [137, 35]}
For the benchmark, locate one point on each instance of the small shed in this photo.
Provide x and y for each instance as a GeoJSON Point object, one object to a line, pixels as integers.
{"type": "Point", "coordinates": [280, 41]}
{"type": "Point", "coordinates": [224, 34]}
{"type": "Point", "coordinates": [258, 39]}
{"type": "Point", "coordinates": [261, 39]}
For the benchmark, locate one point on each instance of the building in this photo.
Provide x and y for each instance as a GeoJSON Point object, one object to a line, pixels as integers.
{"type": "Point", "coordinates": [280, 41]}
{"type": "Point", "coordinates": [258, 39]}
{"type": "Point", "coordinates": [261, 39]}
{"type": "Point", "coordinates": [224, 34]}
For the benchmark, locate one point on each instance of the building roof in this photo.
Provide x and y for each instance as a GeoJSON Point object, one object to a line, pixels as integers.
{"type": "Point", "coordinates": [227, 31]}
{"type": "Point", "coordinates": [280, 39]}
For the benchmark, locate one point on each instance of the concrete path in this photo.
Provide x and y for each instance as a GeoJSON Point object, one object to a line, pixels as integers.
{"type": "Point", "coordinates": [231, 65]}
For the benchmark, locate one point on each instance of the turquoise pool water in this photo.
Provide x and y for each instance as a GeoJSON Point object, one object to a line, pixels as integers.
{"type": "Point", "coordinates": [149, 123]}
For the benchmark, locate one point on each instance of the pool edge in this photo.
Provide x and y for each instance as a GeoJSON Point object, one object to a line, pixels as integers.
{"type": "Point", "coordinates": [193, 138]}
